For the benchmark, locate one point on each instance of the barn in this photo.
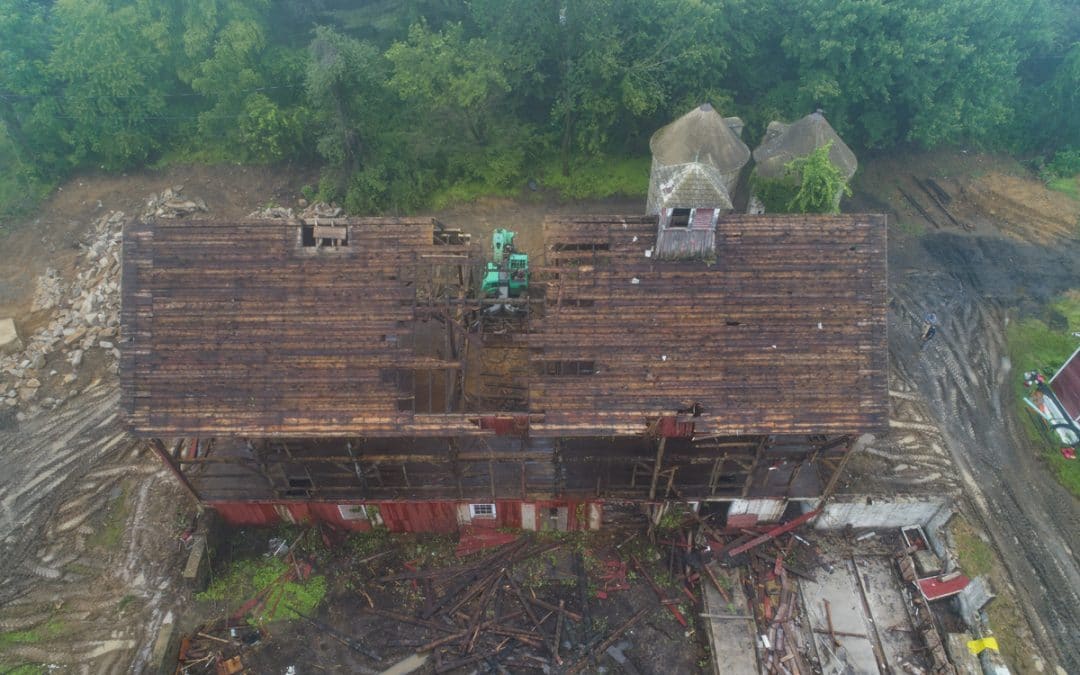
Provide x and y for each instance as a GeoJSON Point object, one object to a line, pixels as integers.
{"type": "Point", "coordinates": [347, 370]}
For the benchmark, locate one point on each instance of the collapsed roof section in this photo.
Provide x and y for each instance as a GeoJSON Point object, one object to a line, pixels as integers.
{"type": "Point", "coordinates": [366, 327]}
{"type": "Point", "coordinates": [696, 161]}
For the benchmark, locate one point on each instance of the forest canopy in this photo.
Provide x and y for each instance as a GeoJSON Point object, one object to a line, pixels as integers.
{"type": "Point", "coordinates": [403, 100]}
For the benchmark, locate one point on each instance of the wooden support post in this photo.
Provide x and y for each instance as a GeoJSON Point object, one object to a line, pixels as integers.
{"type": "Point", "coordinates": [158, 447]}
{"type": "Point", "coordinates": [859, 444]}
{"type": "Point", "coordinates": [656, 468]}
{"type": "Point", "coordinates": [757, 458]}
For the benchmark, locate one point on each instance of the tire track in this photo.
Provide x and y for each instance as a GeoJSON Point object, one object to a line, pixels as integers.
{"type": "Point", "coordinates": [963, 374]}
{"type": "Point", "coordinates": [98, 603]}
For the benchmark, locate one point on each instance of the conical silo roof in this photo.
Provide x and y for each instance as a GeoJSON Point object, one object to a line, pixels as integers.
{"type": "Point", "coordinates": [785, 142]}
{"type": "Point", "coordinates": [701, 136]}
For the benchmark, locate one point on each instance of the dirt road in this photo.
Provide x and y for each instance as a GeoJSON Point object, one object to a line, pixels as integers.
{"type": "Point", "coordinates": [964, 374]}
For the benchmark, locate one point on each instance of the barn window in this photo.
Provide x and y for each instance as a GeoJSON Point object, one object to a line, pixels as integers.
{"type": "Point", "coordinates": [482, 510]}
{"type": "Point", "coordinates": [679, 218]}
{"type": "Point", "coordinates": [352, 511]}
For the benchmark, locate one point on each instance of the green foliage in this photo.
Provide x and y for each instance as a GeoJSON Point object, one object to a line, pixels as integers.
{"type": "Point", "coordinates": [1066, 163]}
{"type": "Point", "coordinates": [776, 194]}
{"type": "Point", "coordinates": [410, 103]}
{"type": "Point", "coordinates": [1070, 186]}
{"type": "Point", "coordinates": [247, 578]}
{"type": "Point", "coordinates": [821, 183]}
{"type": "Point", "coordinates": [811, 184]}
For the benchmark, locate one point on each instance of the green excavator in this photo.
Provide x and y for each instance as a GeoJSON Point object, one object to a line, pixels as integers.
{"type": "Point", "coordinates": [507, 274]}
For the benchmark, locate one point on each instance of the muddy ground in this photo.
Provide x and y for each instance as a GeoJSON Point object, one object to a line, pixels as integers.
{"type": "Point", "coordinates": [90, 526]}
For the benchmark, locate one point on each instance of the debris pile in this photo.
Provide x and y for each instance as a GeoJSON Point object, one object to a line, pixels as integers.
{"type": "Point", "coordinates": [85, 320]}
{"type": "Point", "coordinates": [484, 612]}
{"type": "Point", "coordinates": [316, 210]}
{"type": "Point", "coordinates": [84, 315]}
{"type": "Point", "coordinates": [170, 204]}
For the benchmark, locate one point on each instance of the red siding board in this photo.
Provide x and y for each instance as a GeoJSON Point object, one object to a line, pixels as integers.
{"type": "Point", "coordinates": [433, 516]}
{"type": "Point", "coordinates": [672, 428]}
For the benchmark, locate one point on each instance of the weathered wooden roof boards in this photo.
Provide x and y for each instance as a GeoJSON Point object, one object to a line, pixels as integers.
{"type": "Point", "coordinates": [239, 329]}
{"type": "Point", "coordinates": [784, 332]}
{"type": "Point", "coordinates": [257, 328]}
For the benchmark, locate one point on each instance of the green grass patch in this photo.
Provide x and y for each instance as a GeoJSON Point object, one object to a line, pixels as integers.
{"type": "Point", "coordinates": [975, 555]}
{"type": "Point", "coordinates": [23, 669]}
{"type": "Point", "coordinates": [31, 636]}
{"type": "Point", "coordinates": [468, 192]}
{"type": "Point", "coordinates": [598, 177]}
{"type": "Point", "coordinates": [1069, 186]}
{"type": "Point", "coordinates": [111, 530]}
{"type": "Point", "coordinates": [1034, 345]}
{"type": "Point", "coordinates": [911, 229]}
{"type": "Point", "coordinates": [283, 600]}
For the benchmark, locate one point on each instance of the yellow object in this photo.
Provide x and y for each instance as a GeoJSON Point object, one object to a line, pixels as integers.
{"type": "Point", "coordinates": [976, 646]}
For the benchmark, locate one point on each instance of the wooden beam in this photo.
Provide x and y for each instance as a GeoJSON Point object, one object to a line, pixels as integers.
{"type": "Point", "coordinates": [656, 467]}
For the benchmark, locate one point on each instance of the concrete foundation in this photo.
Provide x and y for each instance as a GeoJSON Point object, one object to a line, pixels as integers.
{"type": "Point", "coordinates": [870, 512]}
{"type": "Point", "coordinates": [731, 638]}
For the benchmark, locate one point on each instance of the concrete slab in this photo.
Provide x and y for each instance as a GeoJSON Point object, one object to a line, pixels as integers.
{"type": "Point", "coordinates": [731, 640]}
{"type": "Point", "coordinates": [9, 337]}
{"type": "Point", "coordinates": [888, 610]}
{"type": "Point", "coordinates": [869, 615]}
{"type": "Point", "coordinates": [839, 588]}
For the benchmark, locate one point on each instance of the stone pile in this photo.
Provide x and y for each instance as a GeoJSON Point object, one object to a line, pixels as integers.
{"type": "Point", "coordinates": [85, 320]}
{"type": "Point", "coordinates": [272, 213]}
{"type": "Point", "coordinates": [322, 210]}
{"type": "Point", "coordinates": [316, 210]}
{"type": "Point", "coordinates": [170, 204]}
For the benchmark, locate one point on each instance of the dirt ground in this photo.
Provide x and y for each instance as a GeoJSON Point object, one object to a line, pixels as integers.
{"type": "Point", "coordinates": [90, 525]}
{"type": "Point", "coordinates": [1009, 264]}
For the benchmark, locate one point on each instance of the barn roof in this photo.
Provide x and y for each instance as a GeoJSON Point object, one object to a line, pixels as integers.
{"type": "Point", "coordinates": [784, 332]}
{"type": "Point", "coordinates": [785, 142]}
{"type": "Point", "coordinates": [240, 329]}
{"type": "Point", "coordinates": [701, 136]}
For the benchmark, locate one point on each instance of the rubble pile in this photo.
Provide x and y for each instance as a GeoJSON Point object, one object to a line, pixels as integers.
{"type": "Point", "coordinates": [316, 210]}
{"type": "Point", "coordinates": [170, 204]}
{"type": "Point", "coordinates": [85, 315]}
{"type": "Point", "coordinates": [272, 213]}
{"type": "Point", "coordinates": [322, 210]}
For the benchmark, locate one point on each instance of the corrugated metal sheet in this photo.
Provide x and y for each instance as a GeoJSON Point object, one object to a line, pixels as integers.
{"type": "Point", "coordinates": [1066, 386]}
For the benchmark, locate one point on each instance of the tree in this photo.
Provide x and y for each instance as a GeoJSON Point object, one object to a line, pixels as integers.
{"type": "Point", "coordinates": [344, 84]}
{"type": "Point", "coordinates": [114, 68]}
{"type": "Point", "coordinates": [918, 70]}
{"type": "Point", "coordinates": [28, 98]}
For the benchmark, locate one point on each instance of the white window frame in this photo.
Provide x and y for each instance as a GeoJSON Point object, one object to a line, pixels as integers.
{"type": "Point", "coordinates": [485, 511]}
{"type": "Point", "coordinates": [353, 511]}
